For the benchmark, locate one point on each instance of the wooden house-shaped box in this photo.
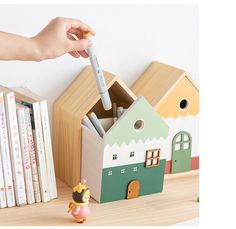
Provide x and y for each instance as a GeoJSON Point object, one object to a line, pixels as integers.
{"type": "Point", "coordinates": [129, 160]}
{"type": "Point", "coordinates": [175, 96]}
{"type": "Point", "coordinates": [80, 98]}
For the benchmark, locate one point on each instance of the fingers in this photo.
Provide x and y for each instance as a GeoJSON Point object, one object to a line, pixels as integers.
{"type": "Point", "coordinates": [80, 45]}
{"type": "Point", "coordinates": [78, 33]}
{"type": "Point", "coordinates": [75, 24]}
{"type": "Point", "coordinates": [83, 53]}
{"type": "Point", "coordinates": [74, 54]}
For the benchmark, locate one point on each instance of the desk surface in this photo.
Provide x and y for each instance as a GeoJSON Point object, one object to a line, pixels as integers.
{"type": "Point", "coordinates": [175, 204]}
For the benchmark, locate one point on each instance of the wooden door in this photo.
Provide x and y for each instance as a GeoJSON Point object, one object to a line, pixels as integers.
{"type": "Point", "coordinates": [133, 189]}
{"type": "Point", "coordinates": [181, 152]}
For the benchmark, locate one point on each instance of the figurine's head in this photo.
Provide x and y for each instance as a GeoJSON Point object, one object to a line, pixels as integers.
{"type": "Point", "coordinates": [81, 193]}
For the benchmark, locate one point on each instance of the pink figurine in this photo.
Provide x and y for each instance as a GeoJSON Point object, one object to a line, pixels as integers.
{"type": "Point", "coordinates": [79, 205]}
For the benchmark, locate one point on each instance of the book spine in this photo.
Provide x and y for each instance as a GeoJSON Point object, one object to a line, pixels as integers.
{"type": "Point", "coordinates": [40, 153]}
{"type": "Point", "coordinates": [15, 149]}
{"type": "Point", "coordinates": [25, 156]}
{"type": "Point", "coordinates": [48, 150]}
{"type": "Point", "coordinates": [4, 148]}
{"type": "Point", "coordinates": [33, 162]}
{"type": "Point", "coordinates": [3, 202]}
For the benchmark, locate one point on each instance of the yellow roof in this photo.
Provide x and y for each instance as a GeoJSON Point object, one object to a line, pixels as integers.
{"type": "Point", "coordinates": [157, 82]}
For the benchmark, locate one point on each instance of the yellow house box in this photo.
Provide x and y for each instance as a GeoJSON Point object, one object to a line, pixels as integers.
{"type": "Point", "coordinates": [175, 96]}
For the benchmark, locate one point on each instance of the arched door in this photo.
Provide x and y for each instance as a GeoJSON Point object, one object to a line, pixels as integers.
{"type": "Point", "coordinates": [133, 189]}
{"type": "Point", "coordinates": [181, 152]}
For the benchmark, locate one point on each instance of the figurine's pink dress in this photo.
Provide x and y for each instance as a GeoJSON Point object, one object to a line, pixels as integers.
{"type": "Point", "coordinates": [83, 212]}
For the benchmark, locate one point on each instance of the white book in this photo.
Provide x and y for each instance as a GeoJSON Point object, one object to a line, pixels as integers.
{"type": "Point", "coordinates": [34, 163]}
{"type": "Point", "coordinates": [15, 148]}
{"type": "Point", "coordinates": [40, 152]}
{"type": "Point", "coordinates": [42, 133]}
{"type": "Point", "coordinates": [4, 148]}
{"type": "Point", "coordinates": [24, 99]}
{"type": "Point", "coordinates": [3, 202]}
{"type": "Point", "coordinates": [25, 154]}
{"type": "Point", "coordinates": [48, 150]}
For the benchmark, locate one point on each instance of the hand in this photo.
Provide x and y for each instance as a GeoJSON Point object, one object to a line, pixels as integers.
{"type": "Point", "coordinates": [61, 36]}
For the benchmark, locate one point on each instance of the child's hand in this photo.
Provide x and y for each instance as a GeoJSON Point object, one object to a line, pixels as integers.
{"type": "Point", "coordinates": [60, 36]}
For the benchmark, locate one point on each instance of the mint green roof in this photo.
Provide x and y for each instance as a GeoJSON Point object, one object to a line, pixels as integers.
{"type": "Point", "coordinates": [123, 130]}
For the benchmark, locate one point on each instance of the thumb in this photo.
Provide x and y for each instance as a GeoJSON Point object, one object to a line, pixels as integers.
{"type": "Point", "coordinates": [79, 45]}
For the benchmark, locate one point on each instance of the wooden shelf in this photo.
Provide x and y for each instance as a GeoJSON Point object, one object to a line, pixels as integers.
{"type": "Point", "coordinates": [177, 203]}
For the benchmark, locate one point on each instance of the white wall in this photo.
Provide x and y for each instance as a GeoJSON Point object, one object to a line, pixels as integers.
{"type": "Point", "coordinates": [128, 38]}
{"type": "Point", "coordinates": [189, 124]}
{"type": "Point", "coordinates": [139, 148]}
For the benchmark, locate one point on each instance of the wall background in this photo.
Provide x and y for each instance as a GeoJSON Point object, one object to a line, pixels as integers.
{"type": "Point", "coordinates": [128, 38]}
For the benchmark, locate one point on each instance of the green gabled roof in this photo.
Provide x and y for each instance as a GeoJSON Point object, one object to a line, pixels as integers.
{"type": "Point", "coordinates": [123, 130]}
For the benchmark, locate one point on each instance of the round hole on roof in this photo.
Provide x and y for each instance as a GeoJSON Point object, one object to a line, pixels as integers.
{"type": "Point", "coordinates": [139, 125]}
{"type": "Point", "coordinates": [183, 104]}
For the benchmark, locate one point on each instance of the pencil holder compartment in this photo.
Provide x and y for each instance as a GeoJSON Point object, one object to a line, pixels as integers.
{"type": "Point", "coordinates": [124, 162]}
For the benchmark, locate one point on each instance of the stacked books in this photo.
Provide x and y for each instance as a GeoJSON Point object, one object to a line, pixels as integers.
{"type": "Point", "coordinates": [26, 160]}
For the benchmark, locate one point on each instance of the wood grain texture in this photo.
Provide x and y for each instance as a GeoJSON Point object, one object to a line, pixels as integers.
{"type": "Point", "coordinates": [177, 203]}
{"type": "Point", "coordinates": [78, 99]}
{"type": "Point", "coordinates": [157, 81]}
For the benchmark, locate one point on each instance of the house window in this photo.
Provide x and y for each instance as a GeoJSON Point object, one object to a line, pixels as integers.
{"type": "Point", "coordinates": [153, 158]}
{"type": "Point", "coordinates": [122, 171]}
{"type": "Point", "coordinates": [114, 156]}
{"type": "Point", "coordinates": [109, 173]}
{"type": "Point", "coordinates": [135, 169]}
{"type": "Point", "coordinates": [177, 147]}
{"type": "Point", "coordinates": [182, 141]}
{"type": "Point", "coordinates": [131, 154]}
{"type": "Point", "coordinates": [186, 145]}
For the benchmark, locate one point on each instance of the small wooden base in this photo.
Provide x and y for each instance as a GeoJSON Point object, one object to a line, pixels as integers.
{"type": "Point", "coordinates": [177, 203]}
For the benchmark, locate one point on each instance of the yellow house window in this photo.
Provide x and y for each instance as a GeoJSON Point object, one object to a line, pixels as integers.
{"type": "Point", "coordinates": [152, 158]}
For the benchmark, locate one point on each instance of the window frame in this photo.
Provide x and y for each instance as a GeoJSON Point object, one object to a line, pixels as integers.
{"type": "Point", "coordinates": [135, 169]}
{"type": "Point", "coordinates": [152, 158]}
{"type": "Point", "coordinates": [122, 171]}
{"type": "Point", "coordinates": [182, 141]}
{"type": "Point", "coordinates": [131, 153]}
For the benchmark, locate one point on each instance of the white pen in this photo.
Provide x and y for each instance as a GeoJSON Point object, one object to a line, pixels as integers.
{"type": "Point", "coordinates": [86, 121]}
{"type": "Point", "coordinates": [102, 87]}
{"type": "Point", "coordinates": [95, 121]}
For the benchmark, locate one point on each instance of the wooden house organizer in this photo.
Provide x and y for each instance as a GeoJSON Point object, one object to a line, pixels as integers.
{"type": "Point", "coordinates": [128, 161]}
{"type": "Point", "coordinates": [175, 96]}
{"type": "Point", "coordinates": [69, 109]}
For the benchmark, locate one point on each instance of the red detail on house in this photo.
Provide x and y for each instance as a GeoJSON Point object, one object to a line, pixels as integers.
{"type": "Point", "coordinates": [194, 164]}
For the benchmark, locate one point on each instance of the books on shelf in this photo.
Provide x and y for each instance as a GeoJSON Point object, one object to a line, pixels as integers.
{"type": "Point", "coordinates": [25, 153]}
{"type": "Point", "coordinates": [3, 202]}
{"type": "Point", "coordinates": [15, 148]}
{"type": "Point", "coordinates": [26, 149]}
{"type": "Point", "coordinates": [5, 156]}
{"type": "Point", "coordinates": [34, 168]}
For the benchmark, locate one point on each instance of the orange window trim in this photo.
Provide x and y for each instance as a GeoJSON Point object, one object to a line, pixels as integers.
{"type": "Point", "coordinates": [152, 158]}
